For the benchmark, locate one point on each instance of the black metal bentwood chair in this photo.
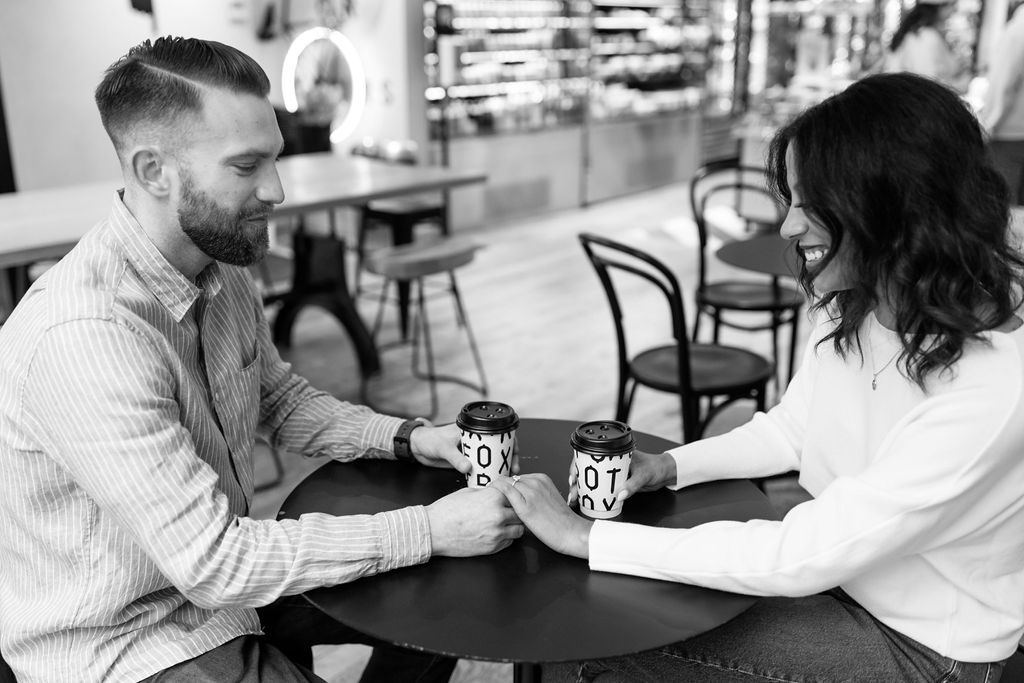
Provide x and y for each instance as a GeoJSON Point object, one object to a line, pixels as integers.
{"type": "Point", "coordinates": [738, 195]}
{"type": "Point", "coordinates": [694, 371]}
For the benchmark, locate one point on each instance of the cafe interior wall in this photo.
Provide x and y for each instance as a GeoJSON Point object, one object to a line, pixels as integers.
{"type": "Point", "coordinates": [53, 53]}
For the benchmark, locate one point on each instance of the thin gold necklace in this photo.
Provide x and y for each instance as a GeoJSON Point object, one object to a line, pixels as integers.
{"type": "Point", "coordinates": [874, 377]}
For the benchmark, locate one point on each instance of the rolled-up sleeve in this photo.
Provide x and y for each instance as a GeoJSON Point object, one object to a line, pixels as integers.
{"type": "Point", "coordinates": [102, 402]}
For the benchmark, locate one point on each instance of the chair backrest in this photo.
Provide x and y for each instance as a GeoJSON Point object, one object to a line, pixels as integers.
{"type": "Point", "coordinates": [610, 258]}
{"type": "Point", "coordinates": [734, 200]}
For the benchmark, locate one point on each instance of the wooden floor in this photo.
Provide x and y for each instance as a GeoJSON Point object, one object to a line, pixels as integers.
{"type": "Point", "coordinates": [547, 341]}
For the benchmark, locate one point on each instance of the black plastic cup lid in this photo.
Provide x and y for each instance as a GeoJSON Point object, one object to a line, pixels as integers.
{"type": "Point", "coordinates": [487, 417]}
{"type": "Point", "coordinates": [603, 437]}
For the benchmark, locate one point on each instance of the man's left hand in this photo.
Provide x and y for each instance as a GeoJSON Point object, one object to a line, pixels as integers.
{"type": "Point", "coordinates": [438, 447]}
{"type": "Point", "coordinates": [442, 447]}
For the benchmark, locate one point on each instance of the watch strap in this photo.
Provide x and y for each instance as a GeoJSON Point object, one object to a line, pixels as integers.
{"type": "Point", "coordinates": [402, 447]}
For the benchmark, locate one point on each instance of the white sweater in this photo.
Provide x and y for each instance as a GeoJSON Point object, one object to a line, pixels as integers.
{"type": "Point", "coordinates": [918, 509]}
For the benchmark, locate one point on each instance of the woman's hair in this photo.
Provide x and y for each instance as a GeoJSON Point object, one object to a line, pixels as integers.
{"type": "Point", "coordinates": [896, 170]}
{"type": "Point", "coordinates": [158, 83]}
{"type": "Point", "coordinates": [921, 15]}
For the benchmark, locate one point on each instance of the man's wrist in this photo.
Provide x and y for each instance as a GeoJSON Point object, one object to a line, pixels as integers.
{"type": "Point", "coordinates": [403, 440]}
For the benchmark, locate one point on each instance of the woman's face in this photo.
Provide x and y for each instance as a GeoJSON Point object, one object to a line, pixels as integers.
{"type": "Point", "coordinates": [813, 242]}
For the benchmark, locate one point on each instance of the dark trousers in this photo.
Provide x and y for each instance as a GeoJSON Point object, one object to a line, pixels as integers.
{"type": "Point", "coordinates": [285, 653]}
{"type": "Point", "coordinates": [294, 626]}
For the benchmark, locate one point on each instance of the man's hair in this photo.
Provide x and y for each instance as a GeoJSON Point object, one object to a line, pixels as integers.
{"type": "Point", "coordinates": [159, 82]}
{"type": "Point", "coordinates": [895, 168]}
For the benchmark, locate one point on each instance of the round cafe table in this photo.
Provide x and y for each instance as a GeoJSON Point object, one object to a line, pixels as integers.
{"type": "Point", "coordinates": [525, 604]}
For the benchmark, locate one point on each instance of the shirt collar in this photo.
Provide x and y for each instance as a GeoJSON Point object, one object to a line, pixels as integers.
{"type": "Point", "coordinates": [169, 285]}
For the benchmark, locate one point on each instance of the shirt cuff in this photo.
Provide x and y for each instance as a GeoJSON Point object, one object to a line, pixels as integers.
{"type": "Point", "coordinates": [378, 440]}
{"type": "Point", "coordinates": [605, 544]}
{"type": "Point", "coordinates": [625, 548]}
{"type": "Point", "coordinates": [405, 537]}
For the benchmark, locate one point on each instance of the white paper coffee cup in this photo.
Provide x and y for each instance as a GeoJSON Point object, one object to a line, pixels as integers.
{"type": "Point", "coordinates": [602, 452]}
{"type": "Point", "coordinates": [488, 435]}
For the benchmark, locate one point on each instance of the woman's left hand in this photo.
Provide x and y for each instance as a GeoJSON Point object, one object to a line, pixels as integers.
{"type": "Point", "coordinates": [542, 509]}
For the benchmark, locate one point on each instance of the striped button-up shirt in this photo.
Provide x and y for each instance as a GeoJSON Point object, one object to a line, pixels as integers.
{"type": "Point", "coordinates": [129, 400]}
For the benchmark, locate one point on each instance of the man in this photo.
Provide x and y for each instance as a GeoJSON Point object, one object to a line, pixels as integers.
{"type": "Point", "coordinates": [133, 376]}
{"type": "Point", "coordinates": [1002, 115]}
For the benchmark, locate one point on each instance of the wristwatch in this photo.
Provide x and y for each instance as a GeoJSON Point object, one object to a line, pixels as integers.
{"type": "Point", "coordinates": [402, 449]}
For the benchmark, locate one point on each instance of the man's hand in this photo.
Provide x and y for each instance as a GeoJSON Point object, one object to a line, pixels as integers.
{"type": "Point", "coordinates": [442, 447]}
{"type": "Point", "coordinates": [471, 522]}
{"type": "Point", "coordinates": [438, 447]}
{"type": "Point", "coordinates": [647, 472]}
{"type": "Point", "coordinates": [541, 508]}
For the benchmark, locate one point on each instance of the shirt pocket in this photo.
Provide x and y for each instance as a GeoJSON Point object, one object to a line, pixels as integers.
{"type": "Point", "coordinates": [239, 410]}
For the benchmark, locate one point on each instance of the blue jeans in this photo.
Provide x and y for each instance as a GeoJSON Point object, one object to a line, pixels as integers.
{"type": "Point", "coordinates": [819, 638]}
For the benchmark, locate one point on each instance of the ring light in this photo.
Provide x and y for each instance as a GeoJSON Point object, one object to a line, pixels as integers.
{"type": "Point", "coordinates": [339, 131]}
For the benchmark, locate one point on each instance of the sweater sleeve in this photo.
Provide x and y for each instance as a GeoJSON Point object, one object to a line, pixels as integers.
{"type": "Point", "coordinates": [922, 489]}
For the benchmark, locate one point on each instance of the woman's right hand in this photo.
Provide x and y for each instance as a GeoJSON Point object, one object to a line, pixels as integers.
{"type": "Point", "coordinates": [647, 472]}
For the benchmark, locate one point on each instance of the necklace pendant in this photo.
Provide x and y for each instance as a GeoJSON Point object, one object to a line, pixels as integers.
{"type": "Point", "coordinates": [874, 383]}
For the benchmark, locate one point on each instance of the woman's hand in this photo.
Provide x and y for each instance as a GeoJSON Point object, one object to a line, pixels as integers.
{"type": "Point", "coordinates": [442, 447]}
{"type": "Point", "coordinates": [647, 472]}
{"type": "Point", "coordinates": [540, 507]}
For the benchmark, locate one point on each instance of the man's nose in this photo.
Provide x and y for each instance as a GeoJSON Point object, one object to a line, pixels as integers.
{"type": "Point", "coordinates": [271, 191]}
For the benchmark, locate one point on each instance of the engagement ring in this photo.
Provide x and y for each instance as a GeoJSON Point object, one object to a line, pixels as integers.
{"type": "Point", "coordinates": [515, 480]}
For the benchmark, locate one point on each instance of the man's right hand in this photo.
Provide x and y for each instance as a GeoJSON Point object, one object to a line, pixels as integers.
{"type": "Point", "coordinates": [472, 522]}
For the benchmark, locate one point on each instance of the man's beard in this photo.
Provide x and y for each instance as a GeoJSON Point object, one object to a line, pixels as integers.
{"type": "Point", "coordinates": [220, 234]}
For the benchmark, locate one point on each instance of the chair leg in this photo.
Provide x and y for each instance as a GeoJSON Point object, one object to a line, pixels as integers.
{"type": "Point", "coordinates": [460, 311]}
{"type": "Point", "coordinates": [795, 322]}
{"type": "Point", "coordinates": [378, 320]}
{"type": "Point", "coordinates": [622, 399]}
{"type": "Point", "coordinates": [622, 414]}
{"type": "Point", "coordinates": [421, 324]}
{"type": "Point", "coordinates": [361, 229]}
{"type": "Point", "coordinates": [460, 315]}
{"type": "Point", "coordinates": [775, 351]}
{"type": "Point", "coordinates": [421, 334]}
{"type": "Point", "coordinates": [692, 427]}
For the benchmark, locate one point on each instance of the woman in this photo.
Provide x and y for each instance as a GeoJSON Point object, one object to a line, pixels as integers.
{"type": "Point", "coordinates": [905, 420]}
{"type": "Point", "coordinates": [919, 46]}
{"type": "Point", "coordinates": [1002, 113]}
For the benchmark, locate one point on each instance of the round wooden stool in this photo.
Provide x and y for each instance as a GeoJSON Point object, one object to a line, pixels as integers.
{"type": "Point", "coordinates": [412, 263]}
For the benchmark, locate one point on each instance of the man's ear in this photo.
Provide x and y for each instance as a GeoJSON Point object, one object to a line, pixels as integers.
{"type": "Point", "coordinates": [151, 170]}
